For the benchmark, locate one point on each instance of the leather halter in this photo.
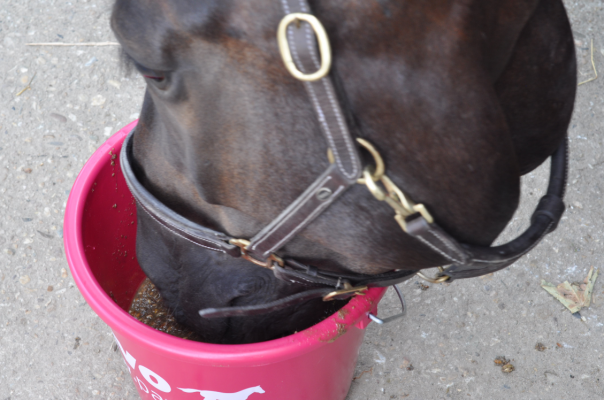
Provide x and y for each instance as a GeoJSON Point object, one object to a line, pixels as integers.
{"type": "Point", "coordinates": [465, 260]}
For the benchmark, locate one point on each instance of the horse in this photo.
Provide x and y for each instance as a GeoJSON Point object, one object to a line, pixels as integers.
{"type": "Point", "coordinates": [459, 97]}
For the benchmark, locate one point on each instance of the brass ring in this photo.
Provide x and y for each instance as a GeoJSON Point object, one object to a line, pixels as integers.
{"type": "Point", "coordinates": [380, 168]}
{"type": "Point", "coordinates": [440, 279]}
{"type": "Point", "coordinates": [324, 47]}
{"type": "Point", "coordinates": [356, 290]}
{"type": "Point", "coordinates": [243, 244]}
{"type": "Point", "coordinates": [373, 188]}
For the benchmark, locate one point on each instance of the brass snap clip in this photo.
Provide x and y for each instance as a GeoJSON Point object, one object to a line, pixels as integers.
{"type": "Point", "coordinates": [392, 195]}
{"type": "Point", "coordinates": [243, 245]}
{"type": "Point", "coordinates": [348, 289]}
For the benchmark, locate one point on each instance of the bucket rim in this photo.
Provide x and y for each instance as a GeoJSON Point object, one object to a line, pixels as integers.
{"type": "Point", "coordinates": [262, 353]}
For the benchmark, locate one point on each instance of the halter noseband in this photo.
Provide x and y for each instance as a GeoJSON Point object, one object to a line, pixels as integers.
{"type": "Point", "coordinates": [297, 44]}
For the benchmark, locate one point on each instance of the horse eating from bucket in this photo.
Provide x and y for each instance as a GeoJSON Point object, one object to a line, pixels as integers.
{"type": "Point", "coordinates": [458, 98]}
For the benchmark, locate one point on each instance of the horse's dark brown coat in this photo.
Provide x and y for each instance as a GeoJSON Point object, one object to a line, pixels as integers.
{"type": "Point", "coordinates": [460, 96]}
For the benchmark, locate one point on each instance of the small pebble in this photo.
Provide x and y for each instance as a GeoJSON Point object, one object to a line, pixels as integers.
{"type": "Point", "coordinates": [507, 368]}
{"type": "Point", "coordinates": [27, 170]}
{"type": "Point", "coordinates": [46, 235]}
{"type": "Point", "coordinates": [91, 61]}
{"type": "Point", "coordinates": [540, 347]}
{"type": "Point", "coordinates": [63, 273]}
{"type": "Point", "coordinates": [98, 100]}
{"type": "Point", "coordinates": [9, 252]}
{"type": "Point", "coordinates": [24, 79]}
{"type": "Point", "coordinates": [61, 118]}
{"type": "Point", "coordinates": [115, 84]}
{"type": "Point", "coordinates": [24, 279]}
{"type": "Point", "coordinates": [49, 288]}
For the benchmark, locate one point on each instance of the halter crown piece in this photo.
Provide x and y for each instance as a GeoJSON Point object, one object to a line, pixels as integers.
{"type": "Point", "coordinates": [299, 33]}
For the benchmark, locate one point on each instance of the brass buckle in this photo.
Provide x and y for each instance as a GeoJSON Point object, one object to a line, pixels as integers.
{"type": "Point", "coordinates": [440, 279]}
{"type": "Point", "coordinates": [347, 289]}
{"type": "Point", "coordinates": [324, 47]}
{"type": "Point", "coordinates": [243, 244]}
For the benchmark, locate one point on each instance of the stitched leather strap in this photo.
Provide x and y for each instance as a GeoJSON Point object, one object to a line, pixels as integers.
{"type": "Point", "coordinates": [471, 261]}
{"type": "Point", "coordinates": [320, 195]}
{"type": "Point", "coordinates": [323, 97]}
{"type": "Point", "coordinates": [174, 222]}
{"type": "Point", "coordinates": [306, 275]}
{"type": "Point", "coordinates": [437, 240]}
{"type": "Point", "coordinates": [347, 166]}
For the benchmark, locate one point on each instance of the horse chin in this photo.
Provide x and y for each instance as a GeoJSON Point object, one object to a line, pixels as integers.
{"type": "Point", "coordinates": [190, 278]}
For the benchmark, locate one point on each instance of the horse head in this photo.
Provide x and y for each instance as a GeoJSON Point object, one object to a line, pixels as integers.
{"type": "Point", "coordinates": [460, 98]}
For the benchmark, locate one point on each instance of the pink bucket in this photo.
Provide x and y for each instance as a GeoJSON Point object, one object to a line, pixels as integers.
{"type": "Point", "coordinates": [100, 230]}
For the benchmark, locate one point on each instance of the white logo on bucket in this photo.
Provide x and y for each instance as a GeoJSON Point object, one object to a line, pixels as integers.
{"type": "Point", "coordinates": [161, 384]}
{"type": "Point", "coordinates": [151, 377]}
{"type": "Point", "coordinates": [241, 395]}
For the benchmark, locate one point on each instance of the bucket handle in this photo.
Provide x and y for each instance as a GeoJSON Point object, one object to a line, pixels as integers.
{"type": "Point", "coordinates": [392, 318]}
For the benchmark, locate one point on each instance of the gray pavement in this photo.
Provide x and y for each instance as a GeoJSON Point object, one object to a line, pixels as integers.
{"type": "Point", "coordinates": [53, 346]}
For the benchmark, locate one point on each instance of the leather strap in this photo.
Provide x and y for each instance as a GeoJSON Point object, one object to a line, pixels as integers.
{"type": "Point", "coordinates": [320, 195]}
{"type": "Point", "coordinates": [347, 166]}
{"type": "Point", "coordinates": [471, 261]}
{"type": "Point", "coordinates": [323, 97]}
{"type": "Point", "coordinates": [164, 216]}
{"type": "Point", "coordinates": [245, 311]}
{"type": "Point", "coordinates": [437, 239]}
{"type": "Point", "coordinates": [329, 285]}
{"type": "Point", "coordinates": [306, 275]}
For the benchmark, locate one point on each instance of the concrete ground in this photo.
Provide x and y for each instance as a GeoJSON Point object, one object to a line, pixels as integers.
{"type": "Point", "coordinates": [53, 346]}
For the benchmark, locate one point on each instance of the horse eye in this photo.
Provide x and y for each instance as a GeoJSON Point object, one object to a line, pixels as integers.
{"type": "Point", "coordinates": [156, 77]}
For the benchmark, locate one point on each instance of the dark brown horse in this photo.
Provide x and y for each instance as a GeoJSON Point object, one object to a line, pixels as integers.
{"type": "Point", "coordinates": [461, 97]}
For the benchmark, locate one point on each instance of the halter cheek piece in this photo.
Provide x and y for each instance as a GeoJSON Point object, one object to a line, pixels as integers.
{"type": "Point", "coordinates": [298, 35]}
